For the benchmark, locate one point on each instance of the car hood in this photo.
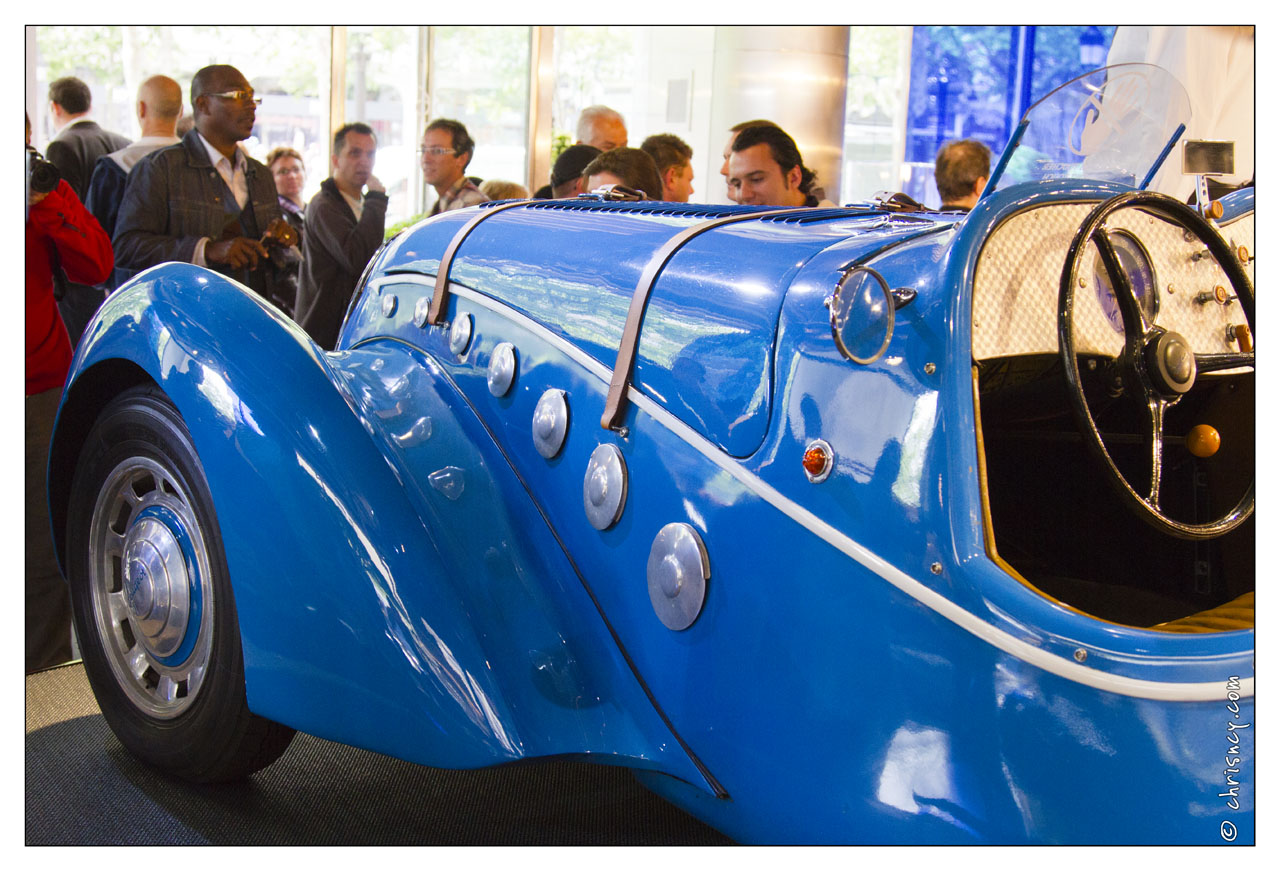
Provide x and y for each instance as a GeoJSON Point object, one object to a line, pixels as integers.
{"type": "Point", "coordinates": [706, 350]}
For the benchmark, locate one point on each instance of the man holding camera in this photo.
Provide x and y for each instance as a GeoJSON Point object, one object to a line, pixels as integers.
{"type": "Point", "coordinates": [59, 232]}
{"type": "Point", "coordinates": [205, 201]}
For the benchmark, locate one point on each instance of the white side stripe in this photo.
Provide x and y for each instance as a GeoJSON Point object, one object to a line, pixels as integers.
{"type": "Point", "coordinates": [1002, 640]}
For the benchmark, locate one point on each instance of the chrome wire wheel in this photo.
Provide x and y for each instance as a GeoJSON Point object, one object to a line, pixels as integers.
{"type": "Point", "coordinates": [150, 587]}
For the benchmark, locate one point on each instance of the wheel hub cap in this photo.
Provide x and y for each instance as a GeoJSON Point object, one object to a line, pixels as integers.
{"type": "Point", "coordinates": [157, 585]}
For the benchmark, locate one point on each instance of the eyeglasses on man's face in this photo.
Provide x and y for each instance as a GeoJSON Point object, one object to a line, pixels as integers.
{"type": "Point", "coordinates": [239, 97]}
{"type": "Point", "coordinates": [436, 150]}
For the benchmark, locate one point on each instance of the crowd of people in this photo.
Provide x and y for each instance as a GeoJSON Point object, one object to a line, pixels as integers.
{"type": "Point", "coordinates": [187, 191]}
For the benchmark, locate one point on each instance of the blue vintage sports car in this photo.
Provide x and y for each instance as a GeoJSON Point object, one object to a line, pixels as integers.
{"type": "Point", "coordinates": [856, 525]}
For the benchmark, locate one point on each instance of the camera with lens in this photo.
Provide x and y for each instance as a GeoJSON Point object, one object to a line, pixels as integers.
{"type": "Point", "coordinates": [42, 176]}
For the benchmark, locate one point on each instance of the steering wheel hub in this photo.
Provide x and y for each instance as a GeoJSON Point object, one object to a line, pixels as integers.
{"type": "Point", "coordinates": [1171, 363]}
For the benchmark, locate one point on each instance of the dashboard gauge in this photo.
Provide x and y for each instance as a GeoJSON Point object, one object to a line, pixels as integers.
{"type": "Point", "coordinates": [1137, 267]}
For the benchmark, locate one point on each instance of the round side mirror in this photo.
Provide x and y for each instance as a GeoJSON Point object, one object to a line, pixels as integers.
{"type": "Point", "coordinates": [862, 315]}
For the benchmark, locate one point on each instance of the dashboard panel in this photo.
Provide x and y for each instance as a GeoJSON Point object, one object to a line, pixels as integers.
{"type": "Point", "coordinates": [1015, 294]}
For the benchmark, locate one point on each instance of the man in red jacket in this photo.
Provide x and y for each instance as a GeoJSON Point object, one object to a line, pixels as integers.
{"type": "Point", "coordinates": [60, 231]}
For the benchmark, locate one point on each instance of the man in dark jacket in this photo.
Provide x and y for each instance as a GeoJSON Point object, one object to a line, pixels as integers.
{"type": "Point", "coordinates": [204, 200]}
{"type": "Point", "coordinates": [80, 141]}
{"type": "Point", "coordinates": [74, 150]}
{"type": "Point", "coordinates": [344, 230]}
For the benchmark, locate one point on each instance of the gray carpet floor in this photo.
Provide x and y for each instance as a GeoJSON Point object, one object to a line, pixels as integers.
{"type": "Point", "coordinates": [83, 788]}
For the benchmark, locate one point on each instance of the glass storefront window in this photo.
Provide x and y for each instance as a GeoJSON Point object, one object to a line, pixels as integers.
{"type": "Point", "coordinates": [382, 91]}
{"type": "Point", "coordinates": [480, 76]}
{"type": "Point", "coordinates": [599, 66]}
{"type": "Point", "coordinates": [874, 101]}
{"type": "Point", "coordinates": [287, 66]}
{"type": "Point", "coordinates": [976, 82]}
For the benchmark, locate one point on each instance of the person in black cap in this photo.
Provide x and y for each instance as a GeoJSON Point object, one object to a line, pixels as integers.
{"type": "Point", "coordinates": [566, 175]}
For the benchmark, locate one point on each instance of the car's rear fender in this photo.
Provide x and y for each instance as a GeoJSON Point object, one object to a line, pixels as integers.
{"type": "Point", "coordinates": [340, 589]}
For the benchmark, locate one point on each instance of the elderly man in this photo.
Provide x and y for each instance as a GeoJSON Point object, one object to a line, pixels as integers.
{"type": "Point", "coordinates": [344, 229]}
{"type": "Point", "coordinates": [674, 159]}
{"type": "Point", "coordinates": [446, 150]}
{"type": "Point", "coordinates": [961, 171]}
{"type": "Point", "coordinates": [765, 169]}
{"type": "Point", "coordinates": [205, 201]}
{"type": "Point", "coordinates": [601, 127]}
{"type": "Point", "coordinates": [630, 167]}
{"type": "Point", "coordinates": [159, 107]}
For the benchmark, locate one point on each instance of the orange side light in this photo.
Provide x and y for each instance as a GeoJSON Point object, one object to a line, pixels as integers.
{"type": "Point", "coordinates": [815, 460]}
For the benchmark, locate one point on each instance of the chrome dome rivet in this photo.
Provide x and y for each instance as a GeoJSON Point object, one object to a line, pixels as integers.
{"type": "Point", "coordinates": [550, 423]}
{"type": "Point", "coordinates": [929, 368]}
{"type": "Point", "coordinates": [460, 334]}
{"type": "Point", "coordinates": [677, 573]}
{"type": "Point", "coordinates": [936, 568]}
{"type": "Point", "coordinates": [420, 311]}
{"type": "Point", "coordinates": [1081, 654]}
{"type": "Point", "coordinates": [388, 305]}
{"type": "Point", "coordinates": [502, 368]}
{"type": "Point", "coordinates": [604, 488]}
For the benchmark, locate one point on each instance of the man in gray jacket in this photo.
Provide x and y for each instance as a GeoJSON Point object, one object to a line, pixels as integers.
{"type": "Point", "coordinates": [205, 201]}
{"type": "Point", "coordinates": [344, 229]}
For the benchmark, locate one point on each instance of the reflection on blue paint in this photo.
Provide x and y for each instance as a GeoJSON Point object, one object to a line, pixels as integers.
{"type": "Point", "coordinates": [906, 488]}
{"type": "Point", "coordinates": [917, 767]}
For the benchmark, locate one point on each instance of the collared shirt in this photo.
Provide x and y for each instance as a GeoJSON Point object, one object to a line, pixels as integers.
{"type": "Point", "coordinates": [237, 182]}
{"type": "Point", "coordinates": [232, 173]}
{"type": "Point", "coordinates": [289, 206]}
{"type": "Point", "coordinates": [463, 193]}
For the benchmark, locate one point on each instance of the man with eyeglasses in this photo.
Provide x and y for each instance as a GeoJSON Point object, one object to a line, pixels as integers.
{"type": "Point", "coordinates": [446, 150]}
{"type": "Point", "coordinates": [205, 201]}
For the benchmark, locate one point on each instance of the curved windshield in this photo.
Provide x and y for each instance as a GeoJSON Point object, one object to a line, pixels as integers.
{"type": "Point", "coordinates": [1114, 124]}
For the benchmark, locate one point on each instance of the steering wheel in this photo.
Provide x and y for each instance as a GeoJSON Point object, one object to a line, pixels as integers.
{"type": "Point", "coordinates": [1157, 366]}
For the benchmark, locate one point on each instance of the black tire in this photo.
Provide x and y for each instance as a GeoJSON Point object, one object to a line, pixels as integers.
{"type": "Point", "coordinates": [152, 601]}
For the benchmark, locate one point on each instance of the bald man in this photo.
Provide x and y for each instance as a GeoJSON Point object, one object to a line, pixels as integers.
{"type": "Point", "coordinates": [159, 108]}
{"type": "Point", "coordinates": [602, 127]}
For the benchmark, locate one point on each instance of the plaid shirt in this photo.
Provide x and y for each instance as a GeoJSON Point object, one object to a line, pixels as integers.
{"type": "Point", "coordinates": [463, 193]}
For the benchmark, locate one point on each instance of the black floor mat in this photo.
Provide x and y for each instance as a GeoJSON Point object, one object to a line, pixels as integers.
{"type": "Point", "coordinates": [83, 788]}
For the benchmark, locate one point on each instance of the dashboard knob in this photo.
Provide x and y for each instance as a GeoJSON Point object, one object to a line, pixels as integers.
{"type": "Point", "coordinates": [1203, 440]}
{"type": "Point", "coordinates": [1240, 333]}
